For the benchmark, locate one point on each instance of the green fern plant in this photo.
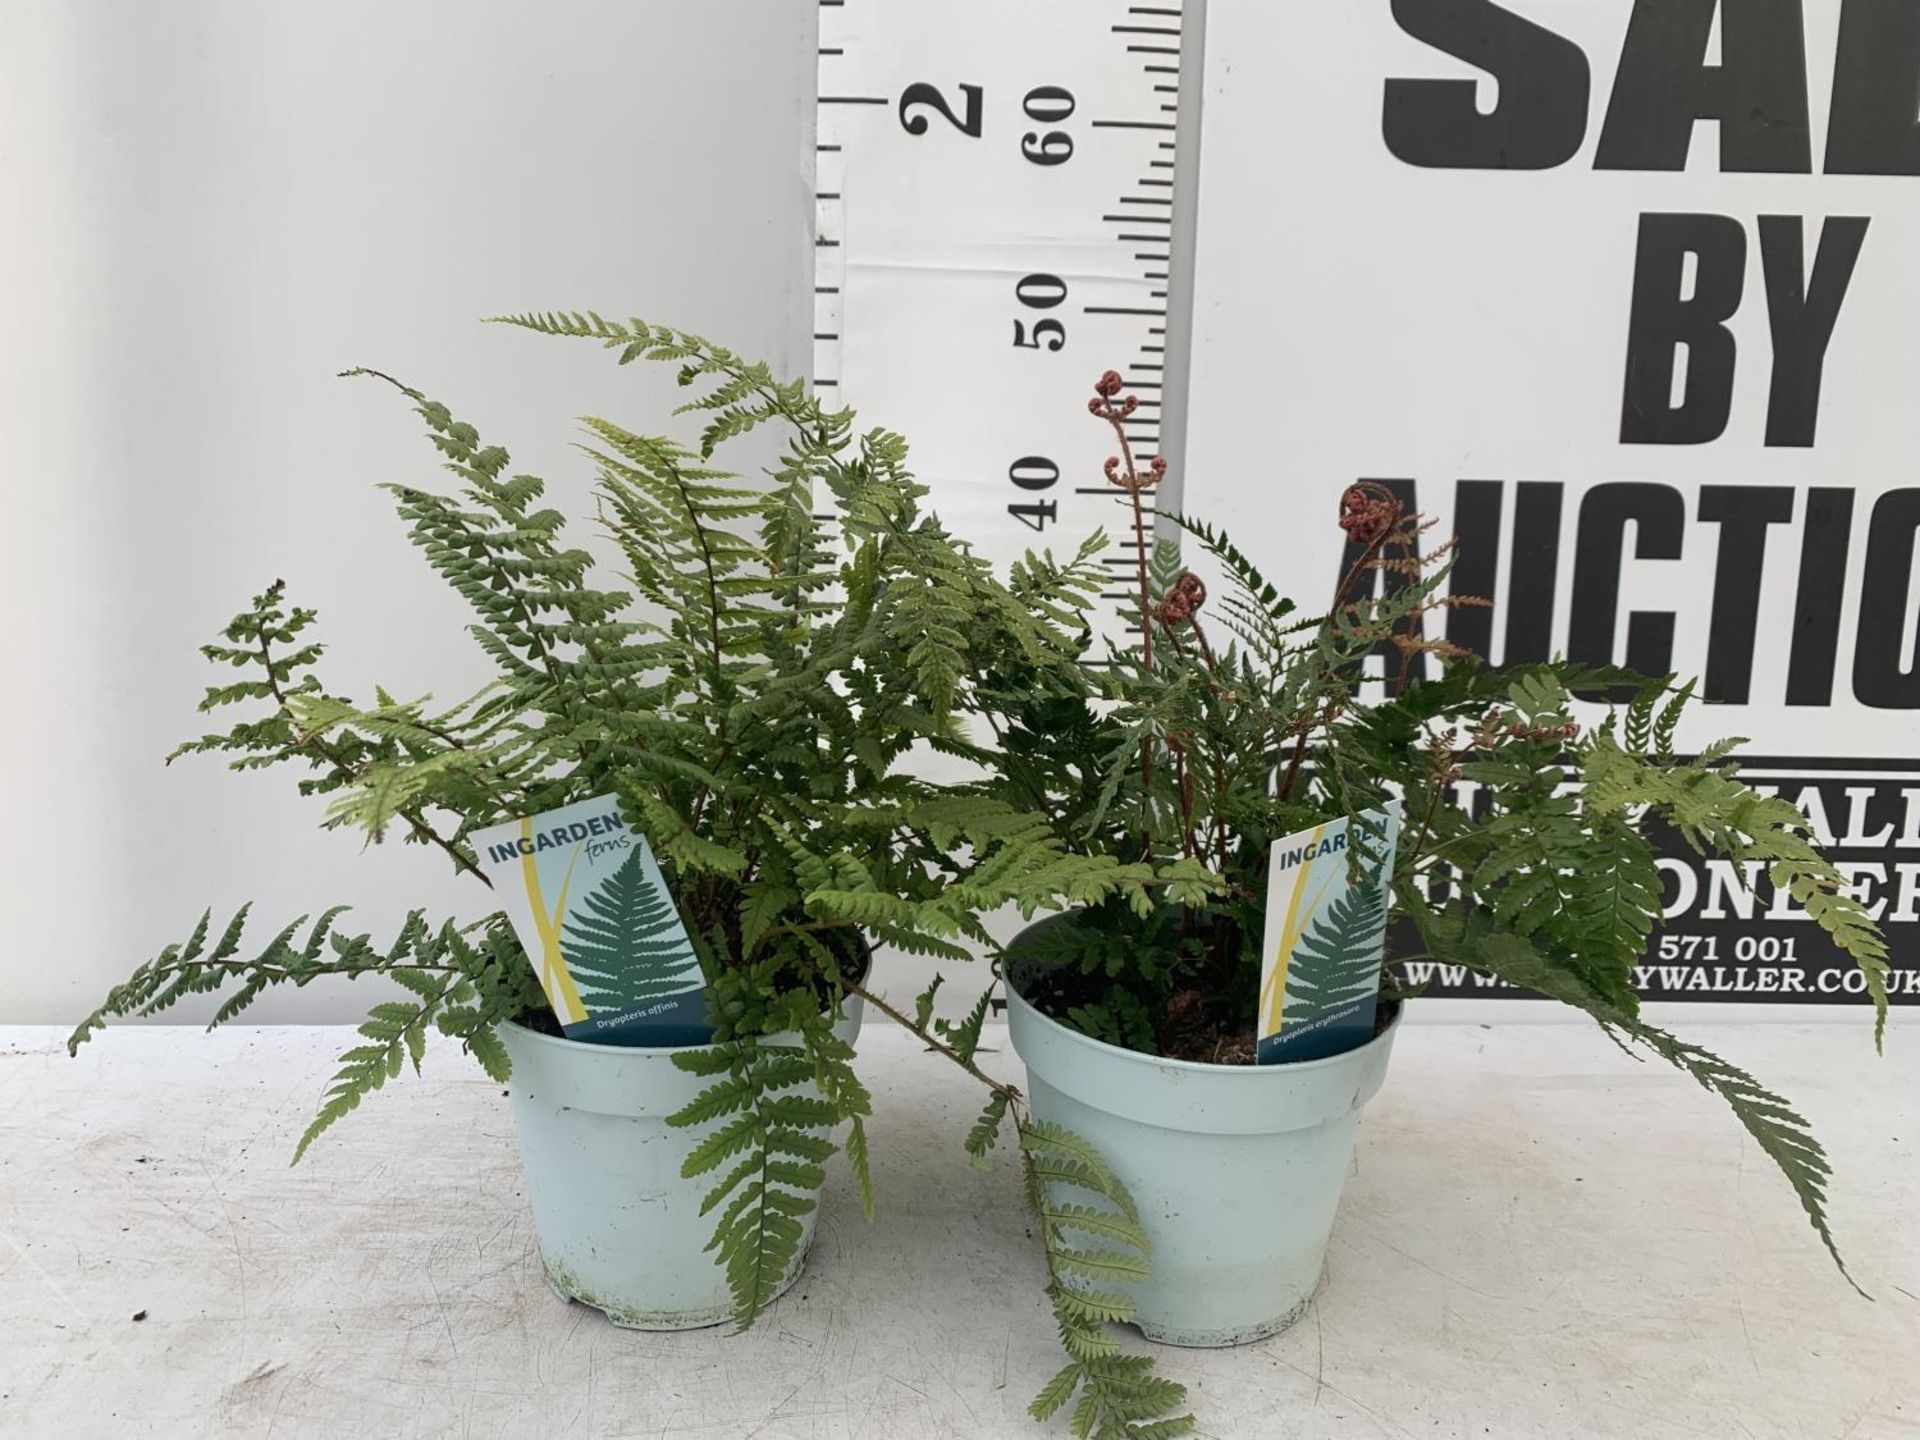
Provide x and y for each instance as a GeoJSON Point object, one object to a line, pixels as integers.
{"type": "Point", "coordinates": [750, 689]}
{"type": "Point", "coordinates": [1234, 722]}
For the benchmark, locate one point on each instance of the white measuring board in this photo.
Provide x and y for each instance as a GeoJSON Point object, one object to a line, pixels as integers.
{"type": "Point", "coordinates": [995, 191]}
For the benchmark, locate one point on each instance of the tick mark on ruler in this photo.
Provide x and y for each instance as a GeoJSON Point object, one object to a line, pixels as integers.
{"type": "Point", "coordinates": [1128, 124]}
{"type": "Point", "coordinates": [1145, 200]}
{"type": "Point", "coordinates": [1154, 50]}
{"type": "Point", "coordinates": [866, 100]}
{"type": "Point", "coordinates": [1146, 29]}
{"type": "Point", "coordinates": [1122, 310]}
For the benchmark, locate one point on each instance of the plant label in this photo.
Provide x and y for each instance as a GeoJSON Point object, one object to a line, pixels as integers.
{"type": "Point", "coordinates": [1328, 890]}
{"type": "Point", "coordinates": [590, 906]}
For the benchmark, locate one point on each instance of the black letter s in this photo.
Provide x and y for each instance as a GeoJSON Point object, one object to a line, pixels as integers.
{"type": "Point", "coordinates": [1541, 118]}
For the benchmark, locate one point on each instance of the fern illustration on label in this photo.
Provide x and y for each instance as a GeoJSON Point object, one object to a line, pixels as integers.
{"type": "Point", "coordinates": [1325, 936]}
{"type": "Point", "coordinates": [589, 903]}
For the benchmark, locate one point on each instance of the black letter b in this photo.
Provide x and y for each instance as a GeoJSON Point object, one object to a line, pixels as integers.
{"type": "Point", "coordinates": [1665, 318]}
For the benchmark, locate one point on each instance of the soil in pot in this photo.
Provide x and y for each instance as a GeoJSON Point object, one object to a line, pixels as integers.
{"type": "Point", "coordinates": [1206, 1024]}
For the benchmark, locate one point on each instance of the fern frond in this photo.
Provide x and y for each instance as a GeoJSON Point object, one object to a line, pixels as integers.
{"type": "Point", "coordinates": [965, 1037]}
{"type": "Point", "coordinates": [779, 1135]}
{"type": "Point", "coordinates": [985, 1132]}
{"type": "Point", "coordinates": [1669, 720]}
{"type": "Point", "coordinates": [1782, 1134]}
{"type": "Point", "coordinates": [1714, 810]}
{"type": "Point", "coordinates": [1776, 1128]}
{"type": "Point", "coordinates": [841, 1086]}
{"type": "Point", "coordinates": [1119, 1395]}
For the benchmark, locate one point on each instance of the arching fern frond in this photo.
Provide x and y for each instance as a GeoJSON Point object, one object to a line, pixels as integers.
{"type": "Point", "coordinates": [1776, 1128]}
{"type": "Point", "coordinates": [1090, 1229]}
{"type": "Point", "coordinates": [768, 1126]}
{"type": "Point", "coordinates": [455, 985]}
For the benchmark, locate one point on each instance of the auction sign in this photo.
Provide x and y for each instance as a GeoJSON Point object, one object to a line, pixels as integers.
{"type": "Point", "coordinates": [1627, 294]}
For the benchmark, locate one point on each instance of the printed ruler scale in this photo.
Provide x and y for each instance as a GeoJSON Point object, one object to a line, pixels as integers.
{"type": "Point", "coordinates": [995, 187]}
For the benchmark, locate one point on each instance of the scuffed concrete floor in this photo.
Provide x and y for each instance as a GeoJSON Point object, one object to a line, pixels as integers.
{"type": "Point", "coordinates": [1540, 1238]}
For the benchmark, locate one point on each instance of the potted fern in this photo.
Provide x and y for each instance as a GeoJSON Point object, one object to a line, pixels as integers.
{"type": "Point", "coordinates": [743, 701]}
{"type": "Point", "coordinates": [1233, 723]}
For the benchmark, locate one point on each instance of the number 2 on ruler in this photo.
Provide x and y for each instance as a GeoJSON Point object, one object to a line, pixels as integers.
{"type": "Point", "coordinates": [1045, 105]}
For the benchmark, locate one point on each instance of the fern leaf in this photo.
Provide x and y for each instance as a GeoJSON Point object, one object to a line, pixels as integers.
{"type": "Point", "coordinates": [1119, 1395]}
{"type": "Point", "coordinates": [1102, 1224]}
{"type": "Point", "coordinates": [485, 1046]}
{"type": "Point", "coordinates": [1056, 1393]}
{"type": "Point", "coordinates": [1043, 1138]}
{"type": "Point", "coordinates": [965, 1037]}
{"type": "Point", "coordinates": [1776, 1128]}
{"type": "Point", "coordinates": [756, 1239]}
{"type": "Point", "coordinates": [744, 1132]}
{"type": "Point", "coordinates": [985, 1131]}
{"type": "Point", "coordinates": [1100, 1267]}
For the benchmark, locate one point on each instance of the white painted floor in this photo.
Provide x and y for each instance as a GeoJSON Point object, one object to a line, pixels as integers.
{"type": "Point", "coordinates": [1540, 1238]}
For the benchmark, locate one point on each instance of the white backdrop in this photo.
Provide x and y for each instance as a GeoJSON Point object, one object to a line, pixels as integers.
{"type": "Point", "coordinates": [213, 206]}
{"type": "Point", "coordinates": [210, 208]}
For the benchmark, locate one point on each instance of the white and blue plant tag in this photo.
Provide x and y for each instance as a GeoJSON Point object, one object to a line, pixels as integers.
{"type": "Point", "coordinates": [592, 910]}
{"type": "Point", "coordinates": [1328, 893]}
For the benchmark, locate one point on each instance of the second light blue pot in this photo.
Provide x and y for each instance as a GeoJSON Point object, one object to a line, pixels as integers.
{"type": "Point", "coordinates": [619, 1229]}
{"type": "Point", "coordinates": [1237, 1169]}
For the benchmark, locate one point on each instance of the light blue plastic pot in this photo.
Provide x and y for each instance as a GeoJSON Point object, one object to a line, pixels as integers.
{"type": "Point", "coordinates": [619, 1229]}
{"type": "Point", "coordinates": [1237, 1169]}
